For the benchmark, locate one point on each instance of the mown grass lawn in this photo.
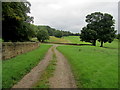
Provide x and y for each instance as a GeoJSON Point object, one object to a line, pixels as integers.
{"type": "Point", "coordinates": [75, 39]}
{"type": "Point", "coordinates": [93, 67]}
{"type": "Point", "coordinates": [14, 69]}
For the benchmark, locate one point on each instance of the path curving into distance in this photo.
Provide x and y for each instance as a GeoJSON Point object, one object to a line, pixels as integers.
{"type": "Point", "coordinates": [62, 78]}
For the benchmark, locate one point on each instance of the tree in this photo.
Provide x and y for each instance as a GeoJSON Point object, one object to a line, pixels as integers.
{"type": "Point", "coordinates": [107, 31]}
{"type": "Point", "coordinates": [15, 21]}
{"type": "Point", "coordinates": [42, 35]}
{"type": "Point", "coordinates": [103, 25]}
{"type": "Point", "coordinates": [58, 34]}
{"type": "Point", "coordinates": [48, 28]}
{"type": "Point", "coordinates": [77, 34]}
{"type": "Point", "coordinates": [88, 35]}
{"type": "Point", "coordinates": [118, 36]}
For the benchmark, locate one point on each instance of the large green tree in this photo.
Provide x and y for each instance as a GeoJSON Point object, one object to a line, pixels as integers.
{"type": "Point", "coordinates": [88, 35]}
{"type": "Point", "coordinates": [15, 21]}
{"type": "Point", "coordinates": [42, 35]}
{"type": "Point", "coordinates": [102, 26]}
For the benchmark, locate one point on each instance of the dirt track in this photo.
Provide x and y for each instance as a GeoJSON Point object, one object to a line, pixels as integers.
{"type": "Point", "coordinates": [34, 75]}
{"type": "Point", "coordinates": [62, 77]}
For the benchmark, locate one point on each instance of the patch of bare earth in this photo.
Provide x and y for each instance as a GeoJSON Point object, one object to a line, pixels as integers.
{"type": "Point", "coordinates": [33, 76]}
{"type": "Point", "coordinates": [63, 77]}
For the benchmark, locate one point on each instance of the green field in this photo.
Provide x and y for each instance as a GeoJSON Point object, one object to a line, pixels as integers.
{"type": "Point", "coordinates": [93, 67]}
{"type": "Point", "coordinates": [75, 39]}
{"type": "Point", "coordinates": [14, 69]}
{"type": "Point", "coordinates": [57, 40]}
{"type": "Point", "coordinates": [67, 39]}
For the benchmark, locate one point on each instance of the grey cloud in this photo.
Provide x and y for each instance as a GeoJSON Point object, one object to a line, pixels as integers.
{"type": "Point", "coordinates": [68, 14]}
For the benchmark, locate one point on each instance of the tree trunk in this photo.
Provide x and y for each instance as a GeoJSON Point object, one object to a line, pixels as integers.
{"type": "Point", "coordinates": [94, 43]}
{"type": "Point", "coordinates": [101, 44]}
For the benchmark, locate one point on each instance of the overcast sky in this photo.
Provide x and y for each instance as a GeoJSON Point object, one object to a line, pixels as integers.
{"type": "Point", "coordinates": [70, 15]}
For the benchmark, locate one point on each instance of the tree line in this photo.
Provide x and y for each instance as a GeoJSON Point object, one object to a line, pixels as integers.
{"type": "Point", "coordinates": [17, 25]}
{"type": "Point", "coordinates": [43, 33]}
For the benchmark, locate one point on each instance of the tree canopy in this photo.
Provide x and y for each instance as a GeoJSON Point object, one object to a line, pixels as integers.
{"type": "Point", "coordinates": [42, 35]}
{"type": "Point", "coordinates": [88, 35]}
{"type": "Point", "coordinates": [15, 21]}
{"type": "Point", "coordinates": [100, 27]}
{"type": "Point", "coordinates": [57, 33]}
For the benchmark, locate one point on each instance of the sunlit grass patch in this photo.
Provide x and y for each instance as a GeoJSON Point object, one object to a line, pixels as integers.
{"type": "Point", "coordinates": [93, 67]}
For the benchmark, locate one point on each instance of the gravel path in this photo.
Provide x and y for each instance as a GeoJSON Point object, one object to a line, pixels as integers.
{"type": "Point", "coordinates": [34, 75]}
{"type": "Point", "coordinates": [62, 77]}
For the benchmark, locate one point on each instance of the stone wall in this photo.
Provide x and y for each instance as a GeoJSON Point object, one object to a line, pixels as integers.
{"type": "Point", "coordinates": [10, 49]}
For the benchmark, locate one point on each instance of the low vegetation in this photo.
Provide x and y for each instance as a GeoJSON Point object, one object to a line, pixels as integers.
{"type": "Point", "coordinates": [14, 69]}
{"type": "Point", "coordinates": [93, 67]}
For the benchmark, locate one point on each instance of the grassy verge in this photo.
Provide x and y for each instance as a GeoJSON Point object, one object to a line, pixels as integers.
{"type": "Point", "coordinates": [44, 79]}
{"type": "Point", "coordinates": [14, 69]}
{"type": "Point", "coordinates": [93, 67]}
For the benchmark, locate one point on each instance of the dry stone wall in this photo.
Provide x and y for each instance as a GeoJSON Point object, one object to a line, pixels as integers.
{"type": "Point", "coordinates": [12, 49]}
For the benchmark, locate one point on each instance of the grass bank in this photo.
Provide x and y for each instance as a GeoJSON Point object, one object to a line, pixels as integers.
{"type": "Point", "coordinates": [93, 67]}
{"type": "Point", "coordinates": [14, 69]}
